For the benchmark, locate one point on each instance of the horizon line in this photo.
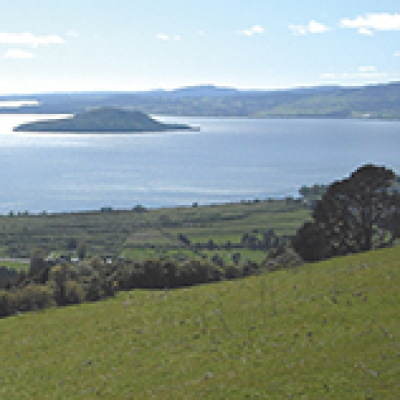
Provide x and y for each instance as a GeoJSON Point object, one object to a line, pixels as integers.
{"type": "Point", "coordinates": [203, 85]}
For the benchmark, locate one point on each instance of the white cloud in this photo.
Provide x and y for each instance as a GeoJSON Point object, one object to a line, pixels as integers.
{"type": "Point", "coordinates": [73, 34]}
{"type": "Point", "coordinates": [368, 68]}
{"type": "Point", "coordinates": [200, 33]}
{"type": "Point", "coordinates": [360, 74]}
{"type": "Point", "coordinates": [257, 29]}
{"type": "Point", "coordinates": [298, 29]}
{"type": "Point", "coordinates": [365, 72]}
{"type": "Point", "coordinates": [161, 36]}
{"type": "Point", "coordinates": [316, 27]}
{"type": "Point", "coordinates": [367, 24]}
{"type": "Point", "coordinates": [19, 54]}
{"type": "Point", "coordinates": [365, 31]}
{"type": "Point", "coordinates": [397, 53]}
{"type": "Point", "coordinates": [254, 30]}
{"type": "Point", "coordinates": [328, 76]}
{"type": "Point", "coordinates": [167, 38]}
{"type": "Point", "coordinates": [312, 27]}
{"type": "Point", "coordinates": [28, 38]}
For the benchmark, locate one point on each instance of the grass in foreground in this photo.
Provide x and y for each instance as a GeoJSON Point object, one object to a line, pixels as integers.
{"type": "Point", "coordinates": [326, 330]}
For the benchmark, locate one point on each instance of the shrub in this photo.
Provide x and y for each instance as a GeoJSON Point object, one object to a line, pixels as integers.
{"type": "Point", "coordinates": [34, 297]}
{"type": "Point", "coordinates": [74, 293]}
{"type": "Point", "coordinates": [7, 303]}
{"type": "Point", "coordinates": [59, 277]}
{"type": "Point", "coordinates": [233, 271]}
{"type": "Point", "coordinates": [283, 257]}
{"type": "Point", "coordinates": [37, 261]}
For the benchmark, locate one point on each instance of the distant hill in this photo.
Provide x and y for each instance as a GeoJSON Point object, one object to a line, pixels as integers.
{"type": "Point", "coordinates": [374, 101]}
{"type": "Point", "coordinates": [106, 119]}
{"type": "Point", "coordinates": [202, 91]}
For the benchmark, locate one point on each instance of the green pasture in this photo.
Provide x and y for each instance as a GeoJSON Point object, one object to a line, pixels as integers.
{"type": "Point", "coordinates": [140, 254]}
{"type": "Point", "coordinates": [110, 233]}
{"type": "Point", "coordinates": [328, 330]}
{"type": "Point", "coordinates": [18, 266]}
{"type": "Point", "coordinates": [224, 226]}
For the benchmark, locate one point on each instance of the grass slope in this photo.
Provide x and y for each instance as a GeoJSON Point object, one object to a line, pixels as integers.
{"type": "Point", "coordinates": [327, 330]}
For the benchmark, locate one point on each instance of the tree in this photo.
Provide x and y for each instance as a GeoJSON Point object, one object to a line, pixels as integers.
{"type": "Point", "coordinates": [72, 243]}
{"type": "Point", "coordinates": [37, 261]}
{"type": "Point", "coordinates": [82, 251]}
{"type": "Point", "coordinates": [356, 214]}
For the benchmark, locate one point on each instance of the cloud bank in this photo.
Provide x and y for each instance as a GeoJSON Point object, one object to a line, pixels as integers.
{"type": "Point", "coordinates": [73, 34]}
{"type": "Point", "coordinates": [369, 68]}
{"type": "Point", "coordinates": [368, 72]}
{"type": "Point", "coordinates": [254, 30]}
{"type": "Point", "coordinates": [168, 38]}
{"type": "Point", "coordinates": [18, 54]}
{"type": "Point", "coordinates": [367, 25]}
{"type": "Point", "coordinates": [311, 27]}
{"type": "Point", "coordinates": [29, 39]}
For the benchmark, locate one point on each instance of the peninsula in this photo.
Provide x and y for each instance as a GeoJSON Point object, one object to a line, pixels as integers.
{"type": "Point", "coordinates": [104, 119]}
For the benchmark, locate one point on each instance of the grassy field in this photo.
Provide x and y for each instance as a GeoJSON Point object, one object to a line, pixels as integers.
{"type": "Point", "coordinates": [18, 266]}
{"type": "Point", "coordinates": [183, 254]}
{"type": "Point", "coordinates": [126, 232]}
{"type": "Point", "coordinates": [328, 330]}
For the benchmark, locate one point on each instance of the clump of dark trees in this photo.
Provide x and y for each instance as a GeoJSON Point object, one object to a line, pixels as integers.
{"type": "Point", "coordinates": [356, 214]}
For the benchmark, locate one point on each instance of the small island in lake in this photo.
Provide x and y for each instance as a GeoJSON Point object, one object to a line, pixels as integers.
{"type": "Point", "coordinates": [105, 119]}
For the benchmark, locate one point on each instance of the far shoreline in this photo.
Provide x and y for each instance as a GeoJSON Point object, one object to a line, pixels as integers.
{"type": "Point", "coordinates": [243, 117]}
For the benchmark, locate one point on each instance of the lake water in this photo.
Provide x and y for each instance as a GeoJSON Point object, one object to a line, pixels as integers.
{"type": "Point", "coordinates": [230, 159]}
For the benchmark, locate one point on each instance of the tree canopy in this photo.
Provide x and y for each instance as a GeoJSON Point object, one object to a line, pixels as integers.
{"type": "Point", "coordinates": [356, 214]}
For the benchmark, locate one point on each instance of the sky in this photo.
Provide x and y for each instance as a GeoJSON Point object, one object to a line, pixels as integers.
{"type": "Point", "coordinates": [130, 45]}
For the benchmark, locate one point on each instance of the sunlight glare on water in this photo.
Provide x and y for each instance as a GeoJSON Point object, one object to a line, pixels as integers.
{"type": "Point", "coordinates": [230, 159]}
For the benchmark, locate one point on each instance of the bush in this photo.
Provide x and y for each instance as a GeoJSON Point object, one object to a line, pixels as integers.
{"type": "Point", "coordinates": [283, 257]}
{"type": "Point", "coordinates": [37, 261]}
{"type": "Point", "coordinates": [74, 293]}
{"type": "Point", "coordinates": [7, 303]}
{"type": "Point", "coordinates": [233, 271]}
{"type": "Point", "coordinates": [34, 297]}
{"type": "Point", "coordinates": [59, 278]}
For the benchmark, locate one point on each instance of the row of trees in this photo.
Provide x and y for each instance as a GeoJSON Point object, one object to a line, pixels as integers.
{"type": "Point", "coordinates": [61, 285]}
{"type": "Point", "coordinates": [256, 240]}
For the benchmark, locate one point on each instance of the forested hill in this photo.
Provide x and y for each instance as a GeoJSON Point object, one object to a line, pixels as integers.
{"type": "Point", "coordinates": [106, 119]}
{"type": "Point", "coordinates": [375, 101]}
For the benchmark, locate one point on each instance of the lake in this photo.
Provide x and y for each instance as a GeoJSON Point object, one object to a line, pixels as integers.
{"type": "Point", "coordinates": [230, 159]}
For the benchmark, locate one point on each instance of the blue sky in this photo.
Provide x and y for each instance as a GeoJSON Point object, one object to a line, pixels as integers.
{"type": "Point", "coordinates": [78, 45]}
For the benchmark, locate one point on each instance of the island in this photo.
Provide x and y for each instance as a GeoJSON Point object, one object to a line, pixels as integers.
{"type": "Point", "coordinates": [104, 119]}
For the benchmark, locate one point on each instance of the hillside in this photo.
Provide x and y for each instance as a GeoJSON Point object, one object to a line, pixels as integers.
{"type": "Point", "coordinates": [374, 101]}
{"type": "Point", "coordinates": [325, 330]}
{"type": "Point", "coordinates": [105, 119]}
